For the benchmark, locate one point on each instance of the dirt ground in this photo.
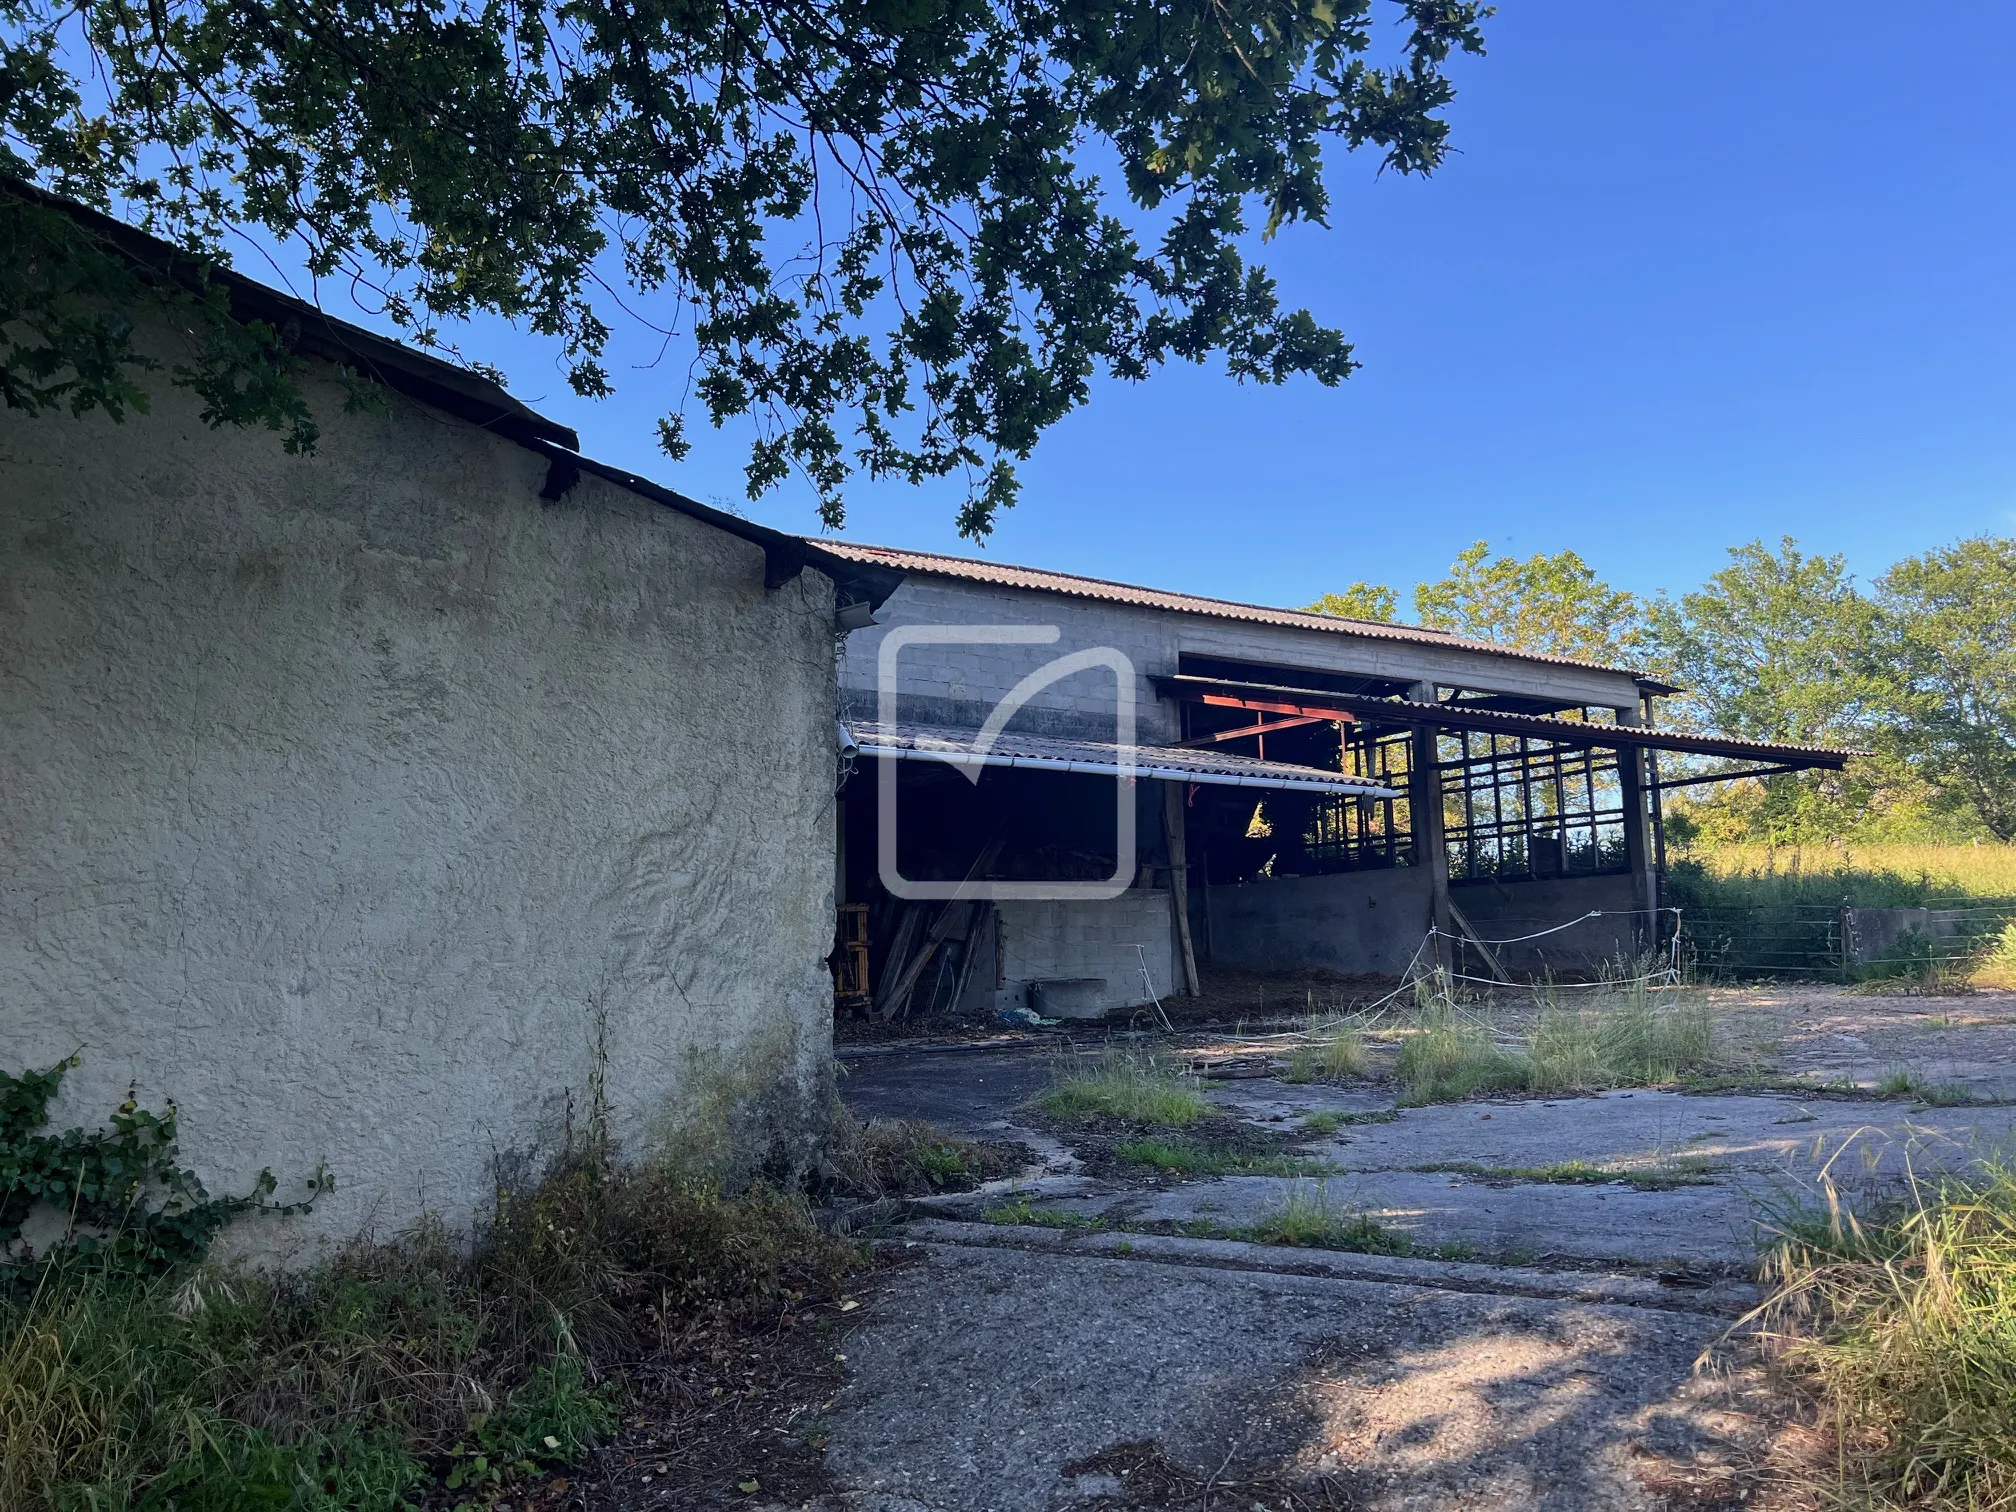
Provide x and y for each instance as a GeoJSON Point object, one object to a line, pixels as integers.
{"type": "Point", "coordinates": [1539, 1342]}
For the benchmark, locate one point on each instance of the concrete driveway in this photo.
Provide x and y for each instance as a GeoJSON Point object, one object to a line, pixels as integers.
{"type": "Point", "coordinates": [1536, 1348]}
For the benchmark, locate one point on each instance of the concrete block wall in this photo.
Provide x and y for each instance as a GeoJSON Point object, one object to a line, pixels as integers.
{"type": "Point", "coordinates": [1066, 938]}
{"type": "Point", "coordinates": [1505, 910]}
{"type": "Point", "coordinates": [1371, 922]}
{"type": "Point", "coordinates": [1357, 923]}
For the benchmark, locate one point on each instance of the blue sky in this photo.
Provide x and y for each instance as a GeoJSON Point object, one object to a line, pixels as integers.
{"type": "Point", "coordinates": [1701, 273]}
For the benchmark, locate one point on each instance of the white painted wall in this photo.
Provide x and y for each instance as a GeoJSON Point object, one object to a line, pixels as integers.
{"type": "Point", "coordinates": [346, 796]}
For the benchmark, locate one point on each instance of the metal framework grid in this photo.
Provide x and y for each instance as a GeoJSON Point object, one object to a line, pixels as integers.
{"type": "Point", "coordinates": [1353, 834]}
{"type": "Point", "coordinates": [1514, 806]}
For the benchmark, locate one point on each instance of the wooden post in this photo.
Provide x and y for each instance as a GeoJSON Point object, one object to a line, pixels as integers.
{"type": "Point", "coordinates": [1638, 837]}
{"type": "Point", "coordinates": [1424, 805]}
{"type": "Point", "coordinates": [1179, 880]}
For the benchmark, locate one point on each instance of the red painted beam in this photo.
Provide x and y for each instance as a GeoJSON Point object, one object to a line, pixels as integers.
{"type": "Point", "coordinates": [1248, 730]}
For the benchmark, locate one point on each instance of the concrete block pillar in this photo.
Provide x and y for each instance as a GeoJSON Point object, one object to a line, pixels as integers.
{"type": "Point", "coordinates": [1638, 838]}
{"type": "Point", "coordinates": [1424, 805]}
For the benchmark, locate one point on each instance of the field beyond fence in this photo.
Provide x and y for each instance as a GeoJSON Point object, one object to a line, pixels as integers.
{"type": "Point", "coordinates": [1823, 912]}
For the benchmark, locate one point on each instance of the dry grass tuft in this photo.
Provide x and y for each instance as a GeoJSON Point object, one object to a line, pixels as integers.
{"type": "Point", "coordinates": [1905, 1328]}
{"type": "Point", "coordinates": [1621, 1036]}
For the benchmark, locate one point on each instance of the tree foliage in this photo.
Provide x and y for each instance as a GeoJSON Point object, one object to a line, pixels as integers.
{"type": "Point", "coordinates": [879, 226]}
{"type": "Point", "coordinates": [1361, 601]}
{"type": "Point", "coordinates": [1942, 659]}
{"type": "Point", "coordinates": [1781, 645]}
{"type": "Point", "coordinates": [1770, 646]}
{"type": "Point", "coordinates": [1551, 604]}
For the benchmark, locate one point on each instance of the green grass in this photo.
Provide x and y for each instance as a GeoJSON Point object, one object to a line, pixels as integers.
{"type": "Point", "coordinates": [1754, 910]}
{"type": "Point", "coordinates": [1625, 1036]}
{"type": "Point", "coordinates": [1904, 1324]}
{"type": "Point", "coordinates": [1709, 1082]}
{"type": "Point", "coordinates": [426, 1370]}
{"type": "Point", "coordinates": [1020, 1212]}
{"type": "Point", "coordinates": [1446, 1058]}
{"type": "Point", "coordinates": [1309, 1221]}
{"type": "Point", "coordinates": [1329, 1055]}
{"type": "Point", "coordinates": [1687, 1172]}
{"type": "Point", "coordinates": [1329, 1122]}
{"type": "Point", "coordinates": [1191, 1158]}
{"type": "Point", "coordinates": [1139, 1087]}
{"type": "Point", "coordinates": [1634, 1038]}
{"type": "Point", "coordinates": [1870, 876]}
{"type": "Point", "coordinates": [1909, 1084]}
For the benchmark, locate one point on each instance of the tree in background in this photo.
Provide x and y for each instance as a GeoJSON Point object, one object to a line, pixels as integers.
{"type": "Point", "coordinates": [870, 223]}
{"type": "Point", "coordinates": [1943, 661]}
{"type": "Point", "coordinates": [1780, 645]}
{"type": "Point", "coordinates": [1361, 601]}
{"type": "Point", "coordinates": [1551, 604]}
{"type": "Point", "coordinates": [1773, 647]}
{"type": "Point", "coordinates": [1770, 647]}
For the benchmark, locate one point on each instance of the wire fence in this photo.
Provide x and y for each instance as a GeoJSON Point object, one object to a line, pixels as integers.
{"type": "Point", "coordinates": [1844, 942]}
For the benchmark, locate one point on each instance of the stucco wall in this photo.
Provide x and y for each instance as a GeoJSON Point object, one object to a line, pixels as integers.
{"type": "Point", "coordinates": [349, 799]}
{"type": "Point", "coordinates": [1078, 938]}
{"type": "Point", "coordinates": [1359, 923]}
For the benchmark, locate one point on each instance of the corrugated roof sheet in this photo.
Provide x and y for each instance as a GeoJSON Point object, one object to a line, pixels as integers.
{"type": "Point", "coordinates": [1049, 753]}
{"type": "Point", "coordinates": [1003, 575]}
{"type": "Point", "coordinates": [1456, 716]}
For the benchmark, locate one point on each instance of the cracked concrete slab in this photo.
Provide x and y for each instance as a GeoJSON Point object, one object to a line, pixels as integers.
{"type": "Point", "coordinates": [979, 1374]}
{"type": "Point", "coordinates": [1525, 1220]}
{"type": "Point", "coordinates": [1561, 1381]}
{"type": "Point", "coordinates": [1647, 1129]}
{"type": "Point", "coordinates": [972, 1093]}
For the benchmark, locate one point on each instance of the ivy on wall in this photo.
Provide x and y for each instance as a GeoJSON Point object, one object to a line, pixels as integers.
{"type": "Point", "coordinates": [126, 1203]}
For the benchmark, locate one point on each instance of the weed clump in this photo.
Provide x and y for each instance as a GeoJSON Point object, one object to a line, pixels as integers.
{"type": "Point", "coordinates": [1139, 1087]}
{"type": "Point", "coordinates": [1636, 1039]}
{"type": "Point", "coordinates": [912, 1158]}
{"type": "Point", "coordinates": [1446, 1058]}
{"type": "Point", "coordinates": [1309, 1220]}
{"type": "Point", "coordinates": [1906, 1327]}
{"type": "Point", "coordinates": [1327, 1055]}
{"type": "Point", "coordinates": [1192, 1158]}
{"type": "Point", "coordinates": [391, 1368]}
{"type": "Point", "coordinates": [1627, 1037]}
{"type": "Point", "coordinates": [1906, 1083]}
